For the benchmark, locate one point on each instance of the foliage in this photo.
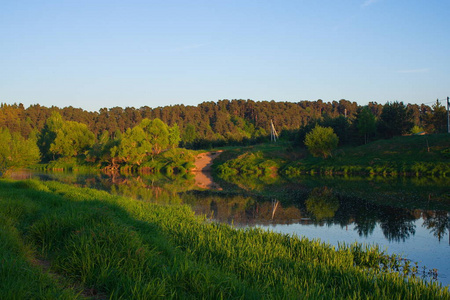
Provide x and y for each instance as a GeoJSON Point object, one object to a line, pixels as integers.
{"type": "Point", "coordinates": [212, 124]}
{"type": "Point", "coordinates": [321, 141]}
{"type": "Point", "coordinates": [61, 138]}
{"type": "Point", "coordinates": [72, 139]}
{"type": "Point", "coordinates": [395, 119]}
{"type": "Point", "coordinates": [132, 249]}
{"type": "Point", "coordinates": [406, 155]}
{"type": "Point", "coordinates": [249, 163]}
{"type": "Point", "coordinates": [172, 161]}
{"type": "Point", "coordinates": [436, 119]}
{"type": "Point", "coordinates": [145, 141]}
{"type": "Point", "coordinates": [416, 129]}
{"type": "Point", "coordinates": [16, 151]}
{"type": "Point", "coordinates": [189, 135]}
{"type": "Point", "coordinates": [366, 123]}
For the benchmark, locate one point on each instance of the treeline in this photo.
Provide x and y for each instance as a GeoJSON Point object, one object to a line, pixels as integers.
{"type": "Point", "coordinates": [150, 146]}
{"type": "Point", "coordinates": [243, 121]}
{"type": "Point", "coordinates": [115, 137]}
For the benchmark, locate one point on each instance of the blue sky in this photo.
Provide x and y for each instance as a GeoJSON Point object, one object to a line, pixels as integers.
{"type": "Point", "coordinates": [93, 54]}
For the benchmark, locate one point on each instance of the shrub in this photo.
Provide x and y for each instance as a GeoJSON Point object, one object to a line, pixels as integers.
{"type": "Point", "coordinates": [321, 141]}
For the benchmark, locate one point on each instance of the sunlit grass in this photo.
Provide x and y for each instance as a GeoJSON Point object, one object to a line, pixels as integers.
{"type": "Point", "coordinates": [404, 155]}
{"type": "Point", "coordinates": [137, 250]}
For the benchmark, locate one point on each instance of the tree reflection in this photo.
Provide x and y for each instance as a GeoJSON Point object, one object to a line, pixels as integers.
{"type": "Point", "coordinates": [365, 225]}
{"type": "Point", "coordinates": [438, 223]}
{"type": "Point", "coordinates": [397, 224]}
{"type": "Point", "coordinates": [322, 204]}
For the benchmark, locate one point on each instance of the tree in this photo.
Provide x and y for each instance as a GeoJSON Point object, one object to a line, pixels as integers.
{"type": "Point", "coordinates": [147, 139]}
{"type": "Point", "coordinates": [436, 120]}
{"type": "Point", "coordinates": [134, 146]}
{"type": "Point", "coordinates": [341, 126]}
{"type": "Point", "coordinates": [366, 123]}
{"type": "Point", "coordinates": [157, 133]}
{"type": "Point", "coordinates": [321, 141]}
{"type": "Point", "coordinates": [174, 136]}
{"type": "Point", "coordinates": [395, 120]}
{"type": "Point", "coordinates": [72, 139]}
{"type": "Point", "coordinates": [16, 151]}
{"type": "Point", "coordinates": [189, 135]}
{"type": "Point", "coordinates": [48, 135]}
{"type": "Point", "coordinates": [61, 138]}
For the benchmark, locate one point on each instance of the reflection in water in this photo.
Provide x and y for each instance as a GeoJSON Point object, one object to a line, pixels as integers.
{"type": "Point", "coordinates": [204, 180]}
{"type": "Point", "coordinates": [321, 203]}
{"type": "Point", "coordinates": [438, 222]}
{"type": "Point", "coordinates": [322, 206]}
{"type": "Point", "coordinates": [397, 224]}
{"type": "Point", "coordinates": [309, 205]}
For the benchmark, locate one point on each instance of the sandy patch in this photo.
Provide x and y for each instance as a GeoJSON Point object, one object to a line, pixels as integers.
{"type": "Point", "coordinates": [202, 170]}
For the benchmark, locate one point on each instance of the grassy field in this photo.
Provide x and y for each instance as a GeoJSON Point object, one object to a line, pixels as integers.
{"type": "Point", "coordinates": [406, 155]}
{"type": "Point", "coordinates": [63, 242]}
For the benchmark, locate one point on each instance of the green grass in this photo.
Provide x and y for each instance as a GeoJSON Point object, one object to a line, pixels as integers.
{"type": "Point", "coordinates": [127, 249]}
{"type": "Point", "coordinates": [405, 155]}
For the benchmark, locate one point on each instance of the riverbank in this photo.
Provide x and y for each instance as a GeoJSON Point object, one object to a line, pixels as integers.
{"type": "Point", "coordinates": [169, 162]}
{"type": "Point", "coordinates": [96, 243]}
{"type": "Point", "coordinates": [427, 155]}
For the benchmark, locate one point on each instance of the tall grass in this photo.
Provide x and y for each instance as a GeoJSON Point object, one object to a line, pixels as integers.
{"type": "Point", "coordinates": [137, 250]}
{"type": "Point", "coordinates": [21, 277]}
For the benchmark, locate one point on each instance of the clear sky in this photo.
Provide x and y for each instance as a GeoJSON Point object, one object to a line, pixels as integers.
{"type": "Point", "coordinates": [93, 54]}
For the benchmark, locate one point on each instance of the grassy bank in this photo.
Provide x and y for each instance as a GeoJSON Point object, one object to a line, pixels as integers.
{"type": "Point", "coordinates": [406, 155]}
{"type": "Point", "coordinates": [88, 242]}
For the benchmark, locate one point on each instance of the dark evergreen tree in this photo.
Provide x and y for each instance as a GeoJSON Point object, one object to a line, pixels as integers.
{"type": "Point", "coordinates": [395, 119]}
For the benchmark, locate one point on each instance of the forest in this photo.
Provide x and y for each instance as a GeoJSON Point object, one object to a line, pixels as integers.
{"type": "Point", "coordinates": [132, 137]}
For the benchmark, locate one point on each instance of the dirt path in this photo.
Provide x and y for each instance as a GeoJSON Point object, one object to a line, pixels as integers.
{"type": "Point", "coordinates": [203, 163]}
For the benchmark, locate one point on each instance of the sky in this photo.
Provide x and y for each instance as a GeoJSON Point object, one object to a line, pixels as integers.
{"type": "Point", "coordinates": [94, 53]}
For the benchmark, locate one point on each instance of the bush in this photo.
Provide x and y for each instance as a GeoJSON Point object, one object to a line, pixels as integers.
{"type": "Point", "coordinates": [321, 141]}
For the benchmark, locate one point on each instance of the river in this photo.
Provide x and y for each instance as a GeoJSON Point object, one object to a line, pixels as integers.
{"type": "Point", "coordinates": [408, 216]}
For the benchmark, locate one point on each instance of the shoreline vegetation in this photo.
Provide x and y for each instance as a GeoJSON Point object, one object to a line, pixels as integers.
{"type": "Point", "coordinates": [314, 138]}
{"type": "Point", "coordinates": [66, 242]}
{"type": "Point", "coordinates": [400, 156]}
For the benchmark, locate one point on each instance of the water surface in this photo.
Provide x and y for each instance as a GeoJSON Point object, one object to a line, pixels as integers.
{"type": "Point", "coordinates": [408, 216]}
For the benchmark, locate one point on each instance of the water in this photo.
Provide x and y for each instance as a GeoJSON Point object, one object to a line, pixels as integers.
{"type": "Point", "coordinates": [404, 216]}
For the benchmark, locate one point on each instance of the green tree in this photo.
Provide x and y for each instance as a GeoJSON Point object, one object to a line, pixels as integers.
{"type": "Point", "coordinates": [395, 119]}
{"type": "Point", "coordinates": [366, 123]}
{"type": "Point", "coordinates": [147, 139]}
{"type": "Point", "coordinates": [174, 136]}
{"type": "Point", "coordinates": [189, 135]}
{"type": "Point", "coordinates": [101, 150]}
{"type": "Point", "coordinates": [72, 139]}
{"type": "Point", "coordinates": [321, 141]}
{"type": "Point", "coordinates": [16, 151]}
{"type": "Point", "coordinates": [436, 120]}
{"type": "Point", "coordinates": [61, 138]}
{"type": "Point", "coordinates": [157, 134]}
{"type": "Point", "coordinates": [48, 135]}
{"type": "Point", "coordinates": [134, 146]}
